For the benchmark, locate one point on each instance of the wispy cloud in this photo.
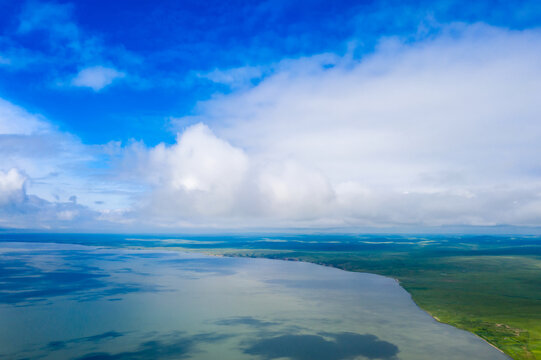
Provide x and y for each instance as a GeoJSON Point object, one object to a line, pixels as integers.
{"type": "Point", "coordinates": [16, 121]}
{"type": "Point", "coordinates": [52, 17]}
{"type": "Point", "coordinates": [236, 77]}
{"type": "Point", "coordinates": [96, 77]}
{"type": "Point", "coordinates": [58, 45]}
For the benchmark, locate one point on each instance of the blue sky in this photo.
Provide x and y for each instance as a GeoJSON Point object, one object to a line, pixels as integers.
{"type": "Point", "coordinates": [270, 114]}
{"type": "Point", "coordinates": [162, 48]}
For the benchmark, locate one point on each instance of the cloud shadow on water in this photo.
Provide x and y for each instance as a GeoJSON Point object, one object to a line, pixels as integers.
{"type": "Point", "coordinates": [247, 321]}
{"type": "Point", "coordinates": [23, 283]}
{"type": "Point", "coordinates": [148, 350]}
{"type": "Point", "coordinates": [180, 347]}
{"type": "Point", "coordinates": [59, 345]}
{"type": "Point", "coordinates": [326, 346]}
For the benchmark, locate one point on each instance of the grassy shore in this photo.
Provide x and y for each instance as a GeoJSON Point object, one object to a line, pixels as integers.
{"type": "Point", "coordinates": [496, 296]}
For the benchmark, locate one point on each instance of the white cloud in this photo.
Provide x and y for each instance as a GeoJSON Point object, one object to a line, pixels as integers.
{"type": "Point", "coordinates": [21, 210]}
{"type": "Point", "coordinates": [96, 77]}
{"type": "Point", "coordinates": [204, 180]}
{"type": "Point", "coordinates": [44, 173]}
{"type": "Point", "coordinates": [440, 132]}
{"type": "Point", "coordinates": [16, 121]}
{"type": "Point", "coordinates": [31, 143]}
{"type": "Point", "coordinates": [200, 175]}
{"type": "Point", "coordinates": [290, 191]}
{"type": "Point", "coordinates": [65, 45]}
{"type": "Point", "coordinates": [11, 187]}
{"type": "Point", "coordinates": [236, 77]}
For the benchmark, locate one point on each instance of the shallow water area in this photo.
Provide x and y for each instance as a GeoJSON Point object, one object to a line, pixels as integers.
{"type": "Point", "coordinates": [60, 301]}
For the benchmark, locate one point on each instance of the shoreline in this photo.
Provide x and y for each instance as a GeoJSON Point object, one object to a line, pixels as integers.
{"type": "Point", "coordinates": [442, 322]}
{"type": "Point", "coordinates": [435, 318]}
{"type": "Point", "coordinates": [207, 253]}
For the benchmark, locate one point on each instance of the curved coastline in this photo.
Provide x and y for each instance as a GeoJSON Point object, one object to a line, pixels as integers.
{"type": "Point", "coordinates": [238, 255]}
{"type": "Point", "coordinates": [326, 306]}
{"type": "Point", "coordinates": [435, 318]}
{"type": "Point", "coordinates": [390, 279]}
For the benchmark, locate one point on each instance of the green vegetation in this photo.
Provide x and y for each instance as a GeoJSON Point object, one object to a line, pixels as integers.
{"type": "Point", "coordinates": [496, 296]}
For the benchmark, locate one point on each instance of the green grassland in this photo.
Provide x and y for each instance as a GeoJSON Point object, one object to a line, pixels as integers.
{"type": "Point", "coordinates": [496, 296]}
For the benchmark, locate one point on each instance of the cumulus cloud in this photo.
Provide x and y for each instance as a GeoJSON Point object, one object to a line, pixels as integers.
{"type": "Point", "coordinates": [439, 132]}
{"type": "Point", "coordinates": [289, 190]}
{"type": "Point", "coordinates": [45, 172]}
{"type": "Point", "coordinates": [202, 179]}
{"type": "Point", "coordinates": [96, 77]}
{"type": "Point", "coordinates": [21, 210]}
{"type": "Point", "coordinates": [11, 187]}
{"type": "Point", "coordinates": [200, 175]}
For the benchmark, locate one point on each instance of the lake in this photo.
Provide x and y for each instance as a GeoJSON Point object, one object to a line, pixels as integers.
{"type": "Point", "coordinates": [62, 301]}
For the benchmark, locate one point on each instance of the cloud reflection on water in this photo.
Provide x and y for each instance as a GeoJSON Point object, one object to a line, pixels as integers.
{"type": "Point", "coordinates": [326, 346]}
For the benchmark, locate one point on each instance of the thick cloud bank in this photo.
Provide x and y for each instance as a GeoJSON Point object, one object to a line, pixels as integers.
{"type": "Point", "coordinates": [440, 132]}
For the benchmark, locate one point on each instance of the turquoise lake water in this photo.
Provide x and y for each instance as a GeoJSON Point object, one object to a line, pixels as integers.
{"type": "Point", "coordinates": [61, 301]}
